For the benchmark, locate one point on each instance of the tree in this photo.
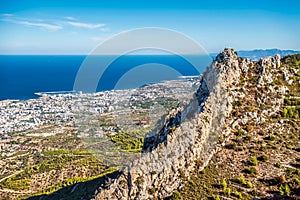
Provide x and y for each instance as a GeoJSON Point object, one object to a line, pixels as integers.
{"type": "Point", "coordinates": [285, 112]}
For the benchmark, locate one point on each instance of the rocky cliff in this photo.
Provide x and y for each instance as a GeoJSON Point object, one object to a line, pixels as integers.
{"type": "Point", "coordinates": [188, 138]}
{"type": "Point", "coordinates": [242, 109]}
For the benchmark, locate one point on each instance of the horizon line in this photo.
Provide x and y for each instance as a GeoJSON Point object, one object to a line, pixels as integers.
{"type": "Point", "coordinates": [83, 54]}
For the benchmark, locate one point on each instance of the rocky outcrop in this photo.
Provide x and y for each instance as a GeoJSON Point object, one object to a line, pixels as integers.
{"type": "Point", "coordinates": [235, 94]}
{"type": "Point", "coordinates": [267, 67]}
{"type": "Point", "coordinates": [188, 137]}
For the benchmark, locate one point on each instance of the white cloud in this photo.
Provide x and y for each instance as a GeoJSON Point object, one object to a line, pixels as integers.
{"type": "Point", "coordinates": [50, 27]}
{"type": "Point", "coordinates": [70, 18]}
{"type": "Point", "coordinates": [30, 22]}
{"type": "Point", "coordinates": [105, 29]}
{"type": "Point", "coordinates": [7, 15]}
{"type": "Point", "coordinates": [86, 25]}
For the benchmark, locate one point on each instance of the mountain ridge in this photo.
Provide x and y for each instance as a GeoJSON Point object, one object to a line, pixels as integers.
{"type": "Point", "coordinates": [240, 102]}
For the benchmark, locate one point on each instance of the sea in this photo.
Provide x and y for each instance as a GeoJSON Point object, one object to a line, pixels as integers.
{"type": "Point", "coordinates": [22, 76]}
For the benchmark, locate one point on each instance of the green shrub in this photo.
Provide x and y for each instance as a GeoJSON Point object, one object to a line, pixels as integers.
{"type": "Point", "coordinates": [279, 165]}
{"type": "Point", "coordinates": [231, 146]}
{"type": "Point", "coordinates": [241, 179]}
{"type": "Point", "coordinates": [254, 79]}
{"type": "Point", "coordinates": [237, 194]}
{"type": "Point", "coordinates": [247, 138]}
{"type": "Point", "coordinates": [242, 81]}
{"type": "Point", "coordinates": [240, 148]}
{"type": "Point", "coordinates": [291, 112]}
{"type": "Point", "coordinates": [284, 189]}
{"type": "Point", "coordinates": [217, 198]}
{"type": "Point", "coordinates": [285, 113]}
{"type": "Point", "coordinates": [251, 170]}
{"type": "Point", "coordinates": [152, 190]}
{"type": "Point", "coordinates": [176, 195]}
{"type": "Point", "coordinates": [138, 181]}
{"type": "Point", "coordinates": [254, 161]}
{"type": "Point", "coordinates": [249, 184]}
{"type": "Point", "coordinates": [227, 191]}
{"type": "Point", "coordinates": [295, 182]}
{"type": "Point", "coordinates": [236, 103]}
{"type": "Point", "coordinates": [224, 183]}
{"type": "Point", "coordinates": [263, 158]}
{"type": "Point", "coordinates": [270, 137]}
{"type": "Point", "coordinates": [252, 150]}
{"type": "Point", "coordinates": [240, 133]}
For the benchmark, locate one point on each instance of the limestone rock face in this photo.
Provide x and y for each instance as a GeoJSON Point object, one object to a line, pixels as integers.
{"type": "Point", "coordinates": [227, 54]}
{"type": "Point", "coordinates": [245, 65]}
{"type": "Point", "coordinates": [189, 136]}
{"type": "Point", "coordinates": [271, 61]}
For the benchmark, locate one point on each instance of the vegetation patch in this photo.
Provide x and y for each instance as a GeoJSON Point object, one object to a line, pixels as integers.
{"type": "Point", "coordinates": [128, 142]}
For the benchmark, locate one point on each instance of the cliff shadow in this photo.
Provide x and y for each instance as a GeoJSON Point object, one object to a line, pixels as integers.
{"type": "Point", "coordinates": [81, 190]}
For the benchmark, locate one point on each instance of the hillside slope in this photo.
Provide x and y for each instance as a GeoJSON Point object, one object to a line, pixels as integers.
{"type": "Point", "coordinates": [261, 157]}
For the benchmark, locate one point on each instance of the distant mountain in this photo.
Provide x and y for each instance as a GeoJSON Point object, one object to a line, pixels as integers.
{"type": "Point", "coordinates": [262, 53]}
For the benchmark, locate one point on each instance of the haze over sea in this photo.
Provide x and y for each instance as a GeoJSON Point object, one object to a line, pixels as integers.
{"type": "Point", "coordinates": [23, 75]}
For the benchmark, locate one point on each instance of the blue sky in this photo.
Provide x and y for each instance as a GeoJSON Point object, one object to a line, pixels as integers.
{"type": "Point", "coordinates": [77, 27]}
